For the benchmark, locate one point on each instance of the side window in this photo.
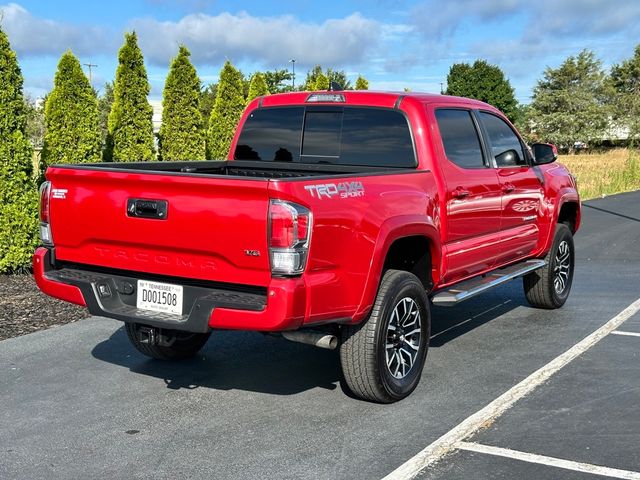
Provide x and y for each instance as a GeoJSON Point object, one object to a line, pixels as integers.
{"type": "Point", "coordinates": [460, 138]}
{"type": "Point", "coordinates": [505, 145]}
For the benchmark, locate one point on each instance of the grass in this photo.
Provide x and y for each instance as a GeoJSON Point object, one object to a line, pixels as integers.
{"type": "Point", "coordinates": [602, 174]}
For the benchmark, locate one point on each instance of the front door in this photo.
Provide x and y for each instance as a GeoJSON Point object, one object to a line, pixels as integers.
{"type": "Point", "coordinates": [471, 226]}
{"type": "Point", "coordinates": [522, 190]}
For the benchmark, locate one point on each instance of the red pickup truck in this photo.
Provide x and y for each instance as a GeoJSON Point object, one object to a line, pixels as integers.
{"type": "Point", "coordinates": [337, 219]}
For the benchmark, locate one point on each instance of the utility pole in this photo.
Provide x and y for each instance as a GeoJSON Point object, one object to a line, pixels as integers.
{"type": "Point", "coordinates": [90, 66]}
{"type": "Point", "coordinates": [293, 78]}
{"type": "Point", "coordinates": [441, 90]}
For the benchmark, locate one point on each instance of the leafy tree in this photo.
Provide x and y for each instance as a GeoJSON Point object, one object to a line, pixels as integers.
{"type": "Point", "coordinates": [322, 82]}
{"type": "Point", "coordinates": [226, 112]}
{"type": "Point", "coordinates": [18, 194]}
{"type": "Point", "coordinates": [130, 135]}
{"type": "Point", "coordinates": [362, 83]}
{"type": "Point", "coordinates": [181, 135]}
{"type": "Point", "coordinates": [258, 87]}
{"type": "Point", "coordinates": [278, 81]}
{"type": "Point", "coordinates": [336, 76]}
{"type": "Point", "coordinates": [105, 101]}
{"type": "Point", "coordinates": [483, 82]}
{"type": "Point", "coordinates": [71, 117]}
{"type": "Point", "coordinates": [626, 81]}
{"type": "Point", "coordinates": [572, 102]}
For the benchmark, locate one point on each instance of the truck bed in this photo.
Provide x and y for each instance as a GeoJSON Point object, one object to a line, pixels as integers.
{"type": "Point", "coordinates": [241, 168]}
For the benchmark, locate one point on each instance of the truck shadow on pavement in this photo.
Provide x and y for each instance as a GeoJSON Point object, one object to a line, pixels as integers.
{"type": "Point", "coordinates": [254, 362]}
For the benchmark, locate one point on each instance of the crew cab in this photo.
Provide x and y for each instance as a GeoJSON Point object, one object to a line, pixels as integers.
{"type": "Point", "coordinates": [337, 219]}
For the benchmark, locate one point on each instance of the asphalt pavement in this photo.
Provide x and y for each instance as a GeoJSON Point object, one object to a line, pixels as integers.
{"type": "Point", "coordinates": [77, 401]}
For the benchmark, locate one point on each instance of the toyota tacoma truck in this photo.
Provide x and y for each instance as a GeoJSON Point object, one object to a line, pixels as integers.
{"type": "Point", "coordinates": [337, 220]}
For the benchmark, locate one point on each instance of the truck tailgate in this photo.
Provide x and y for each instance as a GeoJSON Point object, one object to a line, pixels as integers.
{"type": "Point", "coordinates": [214, 228]}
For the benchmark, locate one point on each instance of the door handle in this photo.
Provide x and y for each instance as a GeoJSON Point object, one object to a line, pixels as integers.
{"type": "Point", "coordinates": [508, 187]}
{"type": "Point", "coordinates": [460, 193]}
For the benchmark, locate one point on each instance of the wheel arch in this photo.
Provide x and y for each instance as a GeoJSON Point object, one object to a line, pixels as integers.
{"type": "Point", "coordinates": [409, 243]}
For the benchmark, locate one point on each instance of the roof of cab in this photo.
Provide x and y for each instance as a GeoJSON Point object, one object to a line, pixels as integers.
{"type": "Point", "coordinates": [368, 98]}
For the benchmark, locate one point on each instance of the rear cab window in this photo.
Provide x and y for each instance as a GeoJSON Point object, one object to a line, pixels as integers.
{"type": "Point", "coordinates": [460, 137]}
{"type": "Point", "coordinates": [340, 135]}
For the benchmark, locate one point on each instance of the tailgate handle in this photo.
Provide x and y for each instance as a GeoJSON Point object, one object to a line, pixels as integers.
{"type": "Point", "coordinates": [144, 208]}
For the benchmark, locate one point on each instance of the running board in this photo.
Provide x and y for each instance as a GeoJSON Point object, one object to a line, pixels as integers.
{"type": "Point", "coordinates": [470, 288]}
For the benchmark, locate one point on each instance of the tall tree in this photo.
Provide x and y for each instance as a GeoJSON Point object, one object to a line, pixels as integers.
{"type": "Point", "coordinates": [226, 112]}
{"type": "Point", "coordinates": [181, 135]}
{"type": "Point", "coordinates": [336, 76]}
{"type": "Point", "coordinates": [130, 135]}
{"type": "Point", "coordinates": [362, 83]}
{"type": "Point", "coordinates": [71, 117]}
{"type": "Point", "coordinates": [35, 121]}
{"type": "Point", "coordinates": [572, 102]}
{"type": "Point", "coordinates": [278, 81]}
{"type": "Point", "coordinates": [483, 82]}
{"type": "Point", "coordinates": [626, 81]}
{"type": "Point", "coordinates": [258, 87]}
{"type": "Point", "coordinates": [207, 100]}
{"type": "Point", "coordinates": [18, 194]}
{"type": "Point", "coordinates": [322, 82]}
{"type": "Point", "coordinates": [105, 101]}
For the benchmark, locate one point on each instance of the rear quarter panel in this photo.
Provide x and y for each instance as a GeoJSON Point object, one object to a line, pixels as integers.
{"type": "Point", "coordinates": [352, 233]}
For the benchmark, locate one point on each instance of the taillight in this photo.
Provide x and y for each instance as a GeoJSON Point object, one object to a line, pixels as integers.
{"type": "Point", "coordinates": [45, 199]}
{"type": "Point", "coordinates": [289, 232]}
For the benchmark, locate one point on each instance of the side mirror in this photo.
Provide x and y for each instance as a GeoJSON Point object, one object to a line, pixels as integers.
{"type": "Point", "coordinates": [544, 153]}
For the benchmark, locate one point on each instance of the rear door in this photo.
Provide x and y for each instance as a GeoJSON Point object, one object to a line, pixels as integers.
{"type": "Point", "coordinates": [473, 196]}
{"type": "Point", "coordinates": [521, 189]}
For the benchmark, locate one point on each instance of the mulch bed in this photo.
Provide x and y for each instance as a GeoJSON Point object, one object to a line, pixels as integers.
{"type": "Point", "coordinates": [25, 309]}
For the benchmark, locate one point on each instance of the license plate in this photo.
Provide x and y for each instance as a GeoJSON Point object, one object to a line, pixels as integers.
{"type": "Point", "coordinates": [159, 297]}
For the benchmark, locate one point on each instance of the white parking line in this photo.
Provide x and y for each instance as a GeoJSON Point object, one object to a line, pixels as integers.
{"type": "Point", "coordinates": [487, 415]}
{"type": "Point", "coordinates": [631, 334]}
{"type": "Point", "coordinates": [550, 461]}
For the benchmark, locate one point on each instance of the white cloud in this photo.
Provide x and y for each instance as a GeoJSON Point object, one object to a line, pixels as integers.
{"type": "Point", "coordinates": [268, 40]}
{"type": "Point", "coordinates": [30, 35]}
{"type": "Point", "coordinates": [436, 19]}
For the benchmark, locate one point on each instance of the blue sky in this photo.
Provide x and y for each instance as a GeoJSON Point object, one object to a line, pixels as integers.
{"type": "Point", "coordinates": [393, 43]}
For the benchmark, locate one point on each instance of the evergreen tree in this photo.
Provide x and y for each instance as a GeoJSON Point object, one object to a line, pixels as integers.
{"type": "Point", "coordinates": [18, 194]}
{"type": "Point", "coordinates": [181, 135]}
{"type": "Point", "coordinates": [483, 82]}
{"type": "Point", "coordinates": [207, 100]}
{"type": "Point", "coordinates": [572, 102]}
{"type": "Point", "coordinates": [626, 81]}
{"type": "Point", "coordinates": [130, 135]}
{"type": "Point", "coordinates": [105, 101]}
{"type": "Point", "coordinates": [362, 83]}
{"type": "Point", "coordinates": [226, 112]}
{"type": "Point", "coordinates": [258, 87]}
{"type": "Point", "coordinates": [322, 82]}
{"type": "Point", "coordinates": [71, 117]}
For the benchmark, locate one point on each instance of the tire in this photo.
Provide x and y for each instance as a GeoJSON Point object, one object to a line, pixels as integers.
{"type": "Point", "coordinates": [372, 370]}
{"type": "Point", "coordinates": [182, 344]}
{"type": "Point", "coordinates": [549, 286]}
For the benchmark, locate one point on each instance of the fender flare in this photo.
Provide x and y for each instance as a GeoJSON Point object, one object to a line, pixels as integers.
{"type": "Point", "coordinates": [566, 195]}
{"type": "Point", "coordinates": [391, 230]}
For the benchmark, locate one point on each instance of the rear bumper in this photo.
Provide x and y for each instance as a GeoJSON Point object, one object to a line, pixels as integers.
{"type": "Point", "coordinates": [280, 307]}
